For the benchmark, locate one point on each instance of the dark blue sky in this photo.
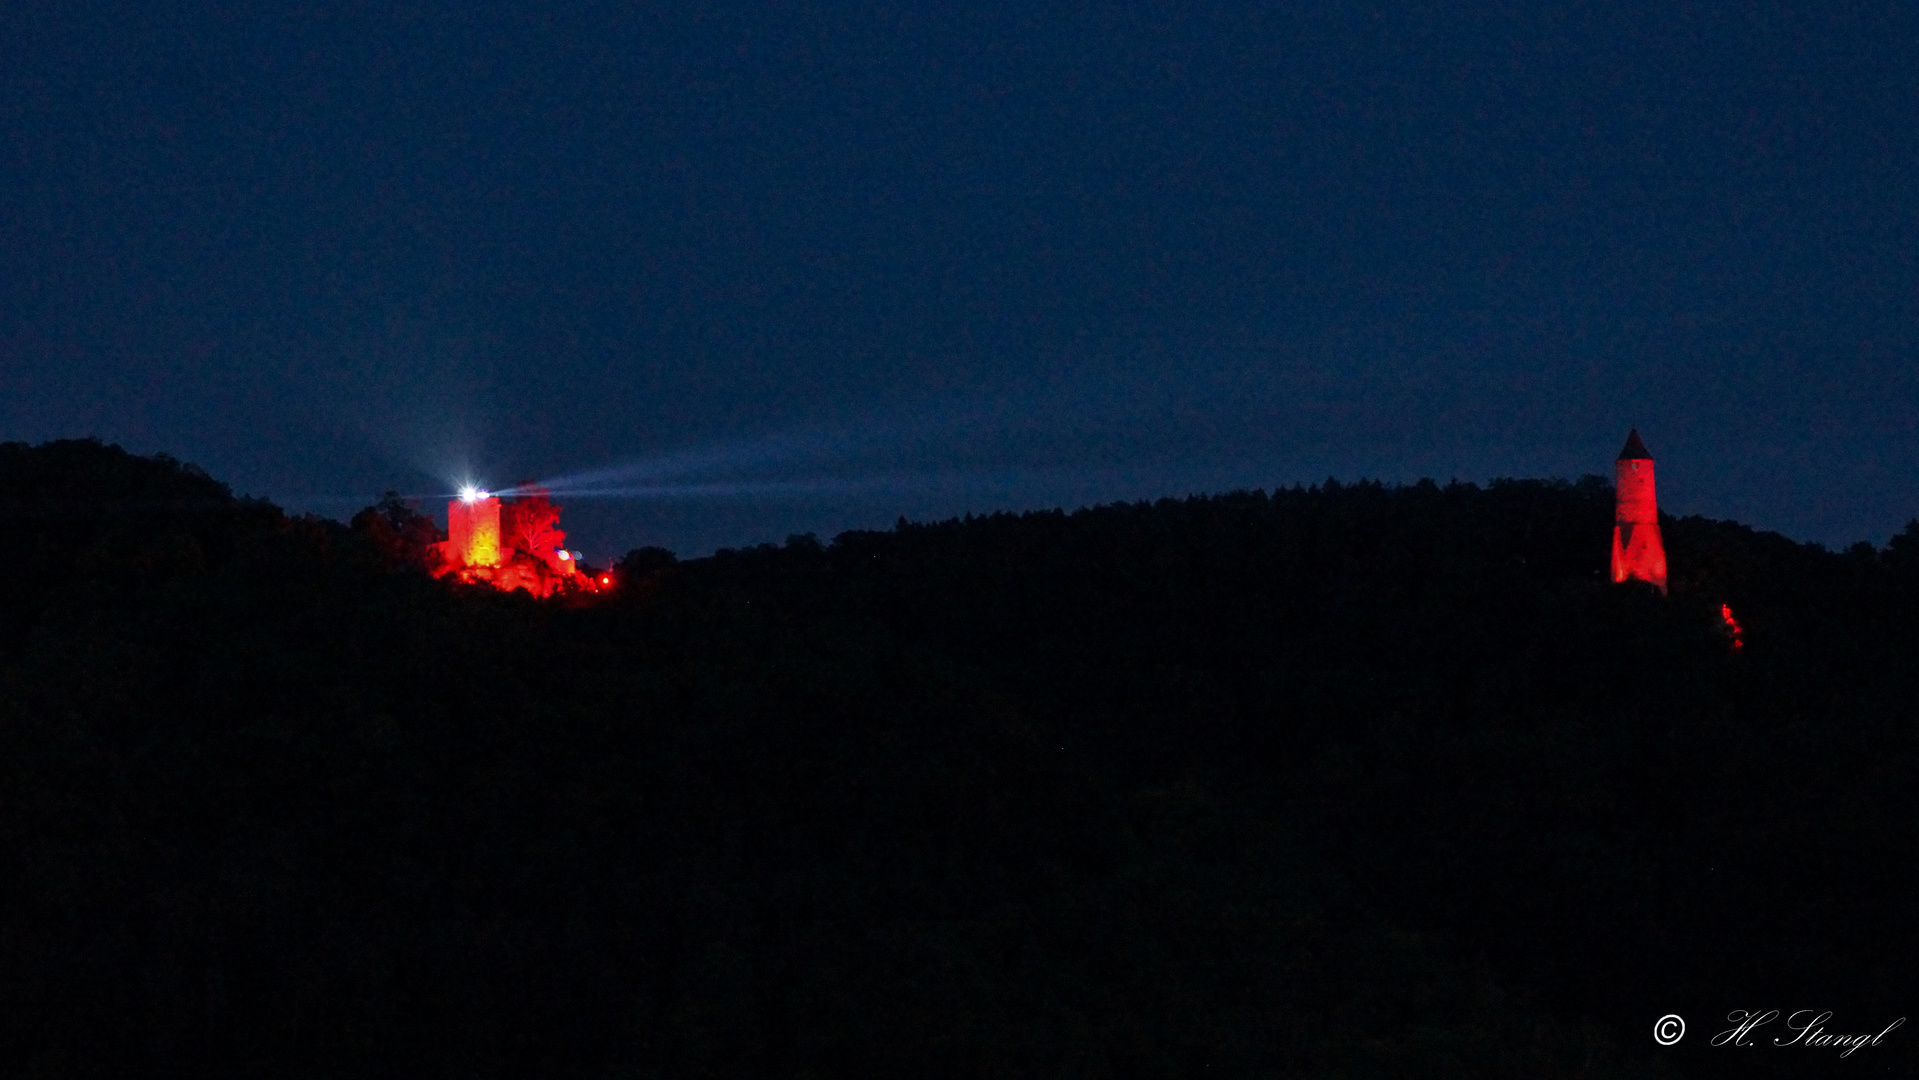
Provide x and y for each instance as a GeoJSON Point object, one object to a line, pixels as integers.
{"type": "Point", "coordinates": [791, 267]}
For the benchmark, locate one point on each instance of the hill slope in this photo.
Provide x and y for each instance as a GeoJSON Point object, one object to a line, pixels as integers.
{"type": "Point", "coordinates": [1342, 781]}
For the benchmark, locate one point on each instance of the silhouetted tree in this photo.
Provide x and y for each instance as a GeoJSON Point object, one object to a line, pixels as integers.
{"type": "Point", "coordinates": [404, 536]}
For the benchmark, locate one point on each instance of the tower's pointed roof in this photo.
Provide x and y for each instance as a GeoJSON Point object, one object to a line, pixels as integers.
{"type": "Point", "coordinates": [1635, 449]}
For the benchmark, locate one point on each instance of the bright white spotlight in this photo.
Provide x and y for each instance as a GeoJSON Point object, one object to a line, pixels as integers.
{"type": "Point", "coordinates": [470, 493]}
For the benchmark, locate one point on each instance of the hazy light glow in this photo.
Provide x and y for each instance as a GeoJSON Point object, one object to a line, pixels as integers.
{"type": "Point", "coordinates": [801, 488]}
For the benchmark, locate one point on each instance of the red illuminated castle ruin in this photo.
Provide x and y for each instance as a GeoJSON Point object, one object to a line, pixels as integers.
{"type": "Point", "coordinates": [511, 542]}
{"type": "Point", "coordinates": [1638, 552]}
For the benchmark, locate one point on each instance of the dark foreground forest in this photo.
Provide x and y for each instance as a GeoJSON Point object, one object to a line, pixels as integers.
{"type": "Point", "coordinates": [1353, 781]}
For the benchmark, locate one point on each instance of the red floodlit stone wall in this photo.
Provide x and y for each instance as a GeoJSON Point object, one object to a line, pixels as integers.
{"type": "Point", "coordinates": [510, 543]}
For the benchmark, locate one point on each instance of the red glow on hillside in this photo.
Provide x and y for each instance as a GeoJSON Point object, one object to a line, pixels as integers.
{"type": "Point", "coordinates": [511, 543]}
{"type": "Point", "coordinates": [1732, 627]}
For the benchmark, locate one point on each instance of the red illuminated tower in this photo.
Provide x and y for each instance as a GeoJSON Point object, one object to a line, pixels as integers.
{"type": "Point", "coordinates": [473, 529]}
{"type": "Point", "coordinates": [1637, 550]}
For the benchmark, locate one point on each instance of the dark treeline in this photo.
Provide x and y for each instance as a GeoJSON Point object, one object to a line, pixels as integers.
{"type": "Point", "coordinates": [1341, 781]}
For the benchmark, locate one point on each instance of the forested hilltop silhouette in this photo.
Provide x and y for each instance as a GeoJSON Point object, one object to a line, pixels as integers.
{"type": "Point", "coordinates": [1350, 780]}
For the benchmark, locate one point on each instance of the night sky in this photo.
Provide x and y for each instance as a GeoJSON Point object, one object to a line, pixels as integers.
{"type": "Point", "coordinates": [757, 270]}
